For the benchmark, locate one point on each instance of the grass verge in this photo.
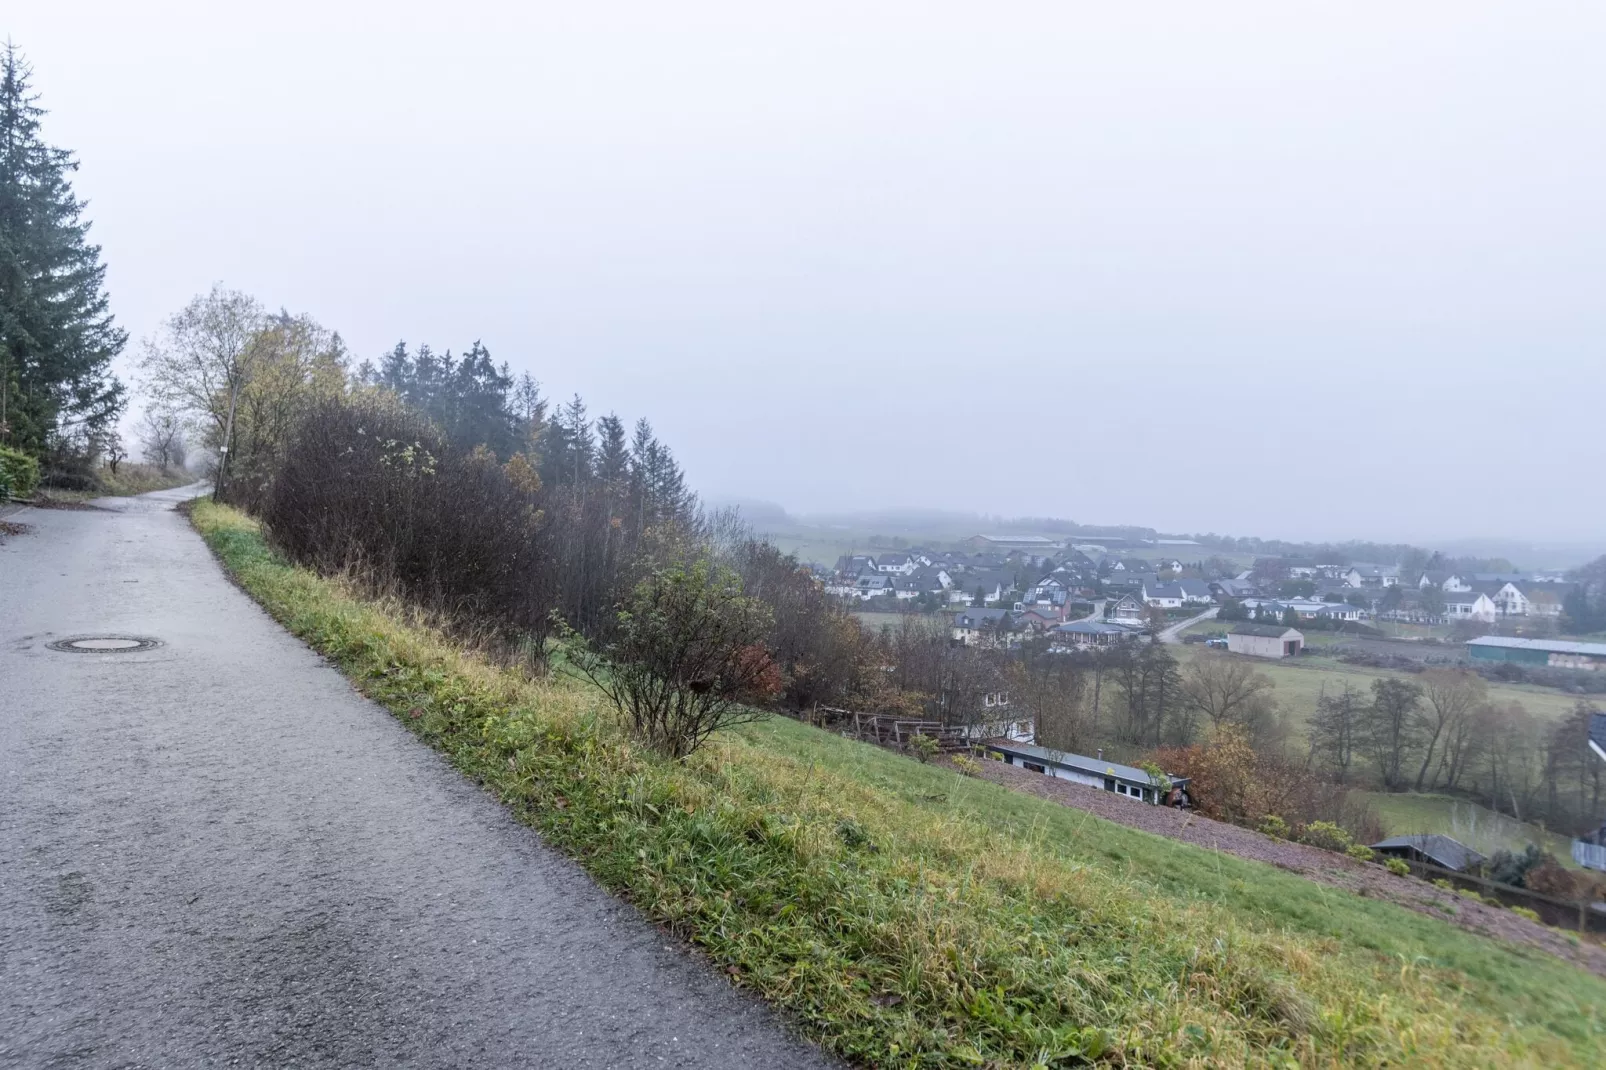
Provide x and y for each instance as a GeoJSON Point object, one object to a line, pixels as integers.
{"type": "Point", "coordinates": [908, 916]}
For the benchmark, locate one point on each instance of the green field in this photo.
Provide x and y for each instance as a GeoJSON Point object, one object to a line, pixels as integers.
{"type": "Point", "coordinates": [905, 915]}
{"type": "Point", "coordinates": [1301, 682]}
{"type": "Point", "coordinates": [1478, 827]}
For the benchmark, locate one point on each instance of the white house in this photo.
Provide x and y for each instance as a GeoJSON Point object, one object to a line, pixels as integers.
{"type": "Point", "coordinates": [972, 627]}
{"type": "Point", "coordinates": [1114, 777]}
{"type": "Point", "coordinates": [1129, 607]}
{"type": "Point", "coordinates": [1265, 640]}
{"type": "Point", "coordinates": [1163, 595]}
{"type": "Point", "coordinates": [1469, 605]}
{"type": "Point", "coordinates": [1371, 576]}
{"type": "Point", "coordinates": [874, 585]}
{"type": "Point", "coordinates": [903, 564]}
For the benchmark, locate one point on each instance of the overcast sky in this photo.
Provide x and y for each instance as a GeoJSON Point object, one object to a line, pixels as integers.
{"type": "Point", "coordinates": [1288, 269]}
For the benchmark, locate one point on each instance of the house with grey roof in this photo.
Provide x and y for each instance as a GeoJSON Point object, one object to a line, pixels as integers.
{"type": "Point", "coordinates": [1095, 772]}
{"type": "Point", "coordinates": [980, 627]}
{"type": "Point", "coordinates": [1432, 848]}
{"type": "Point", "coordinates": [874, 585]}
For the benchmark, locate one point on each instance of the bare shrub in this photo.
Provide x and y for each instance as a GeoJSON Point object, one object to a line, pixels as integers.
{"type": "Point", "coordinates": [366, 485]}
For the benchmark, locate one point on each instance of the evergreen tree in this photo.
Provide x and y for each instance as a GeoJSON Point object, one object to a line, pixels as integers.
{"type": "Point", "coordinates": [57, 339]}
{"type": "Point", "coordinates": [613, 455]}
{"type": "Point", "coordinates": [480, 394]}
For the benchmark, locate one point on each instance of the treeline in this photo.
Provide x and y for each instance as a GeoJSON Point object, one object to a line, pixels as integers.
{"type": "Point", "coordinates": [59, 401]}
{"type": "Point", "coordinates": [1584, 609]}
{"type": "Point", "coordinates": [1440, 732]}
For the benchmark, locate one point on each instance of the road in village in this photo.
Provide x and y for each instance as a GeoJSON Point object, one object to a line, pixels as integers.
{"type": "Point", "coordinates": [215, 852]}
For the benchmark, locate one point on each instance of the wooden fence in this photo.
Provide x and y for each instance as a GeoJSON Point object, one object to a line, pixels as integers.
{"type": "Point", "coordinates": [891, 731]}
{"type": "Point", "coordinates": [1577, 914]}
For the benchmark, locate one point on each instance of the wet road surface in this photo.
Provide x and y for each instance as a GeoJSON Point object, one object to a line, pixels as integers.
{"type": "Point", "coordinates": [215, 852]}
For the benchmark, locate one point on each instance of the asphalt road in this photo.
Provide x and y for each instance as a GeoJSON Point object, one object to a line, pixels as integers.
{"type": "Point", "coordinates": [1173, 634]}
{"type": "Point", "coordinates": [215, 852]}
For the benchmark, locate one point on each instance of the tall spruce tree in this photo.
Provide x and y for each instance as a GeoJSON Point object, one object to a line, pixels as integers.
{"type": "Point", "coordinates": [57, 339]}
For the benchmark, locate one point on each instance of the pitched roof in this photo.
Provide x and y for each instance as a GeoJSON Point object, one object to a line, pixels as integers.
{"type": "Point", "coordinates": [1549, 646]}
{"type": "Point", "coordinates": [1095, 766]}
{"type": "Point", "coordinates": [1267, 631]}
{"type": "Point", "coordinates": [1441, 850]}
{"type": "Point", "coordinates": [981, 618]}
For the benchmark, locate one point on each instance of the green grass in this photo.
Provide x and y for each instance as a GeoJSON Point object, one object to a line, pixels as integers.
{"type": "Point", "coordinates": [1478, 827]}
{"type": "Point", "coordinates": [1300, 683]}
{"type": "Point", "coordinates": [130, 479]}
{"type": "Point", "coordinates": [907, 916]}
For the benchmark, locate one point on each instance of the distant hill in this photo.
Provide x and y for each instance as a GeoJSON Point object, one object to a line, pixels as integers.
{"type": "Point", "coordinates": [761, 514]}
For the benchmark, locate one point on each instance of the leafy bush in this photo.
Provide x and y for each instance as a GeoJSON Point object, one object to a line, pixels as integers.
{"type": "Point", "coordinates": [19, 474]}
{"type": "Point", "coordinates": [1273, 826]}
{"type": "Point", "coordinates": [1524, 912]}
{"type": "Point", "coordinates": [1398, 866]}
{"type": "Point", "coordinates": [967, 765]}
{"type": "Point", "coordinates": [924, 747]}
{"type": "Point", "coordinates": [688, 655]}
{"type": "Point", "coordinates": [1440, 882]}
{"type": "Point", "coordinates": [1327, 836]}
{"type": "Point", "coordinates": [1361, 853]}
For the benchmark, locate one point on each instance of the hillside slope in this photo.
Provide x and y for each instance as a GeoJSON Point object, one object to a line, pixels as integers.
{"type": "Point", "coordinates": [906, 915]}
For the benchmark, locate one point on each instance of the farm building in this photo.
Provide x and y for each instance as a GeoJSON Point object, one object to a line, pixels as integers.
{"type": "Point", "coordinates": [1008, 543]}
{"type": "Point", "coordinates": [1555, 653]}
{"type": "Point", "coordinates": [1265, 640]}
{"type": "Point", "coordinates": [1431, 848]}
{"type": "Point", "coordinates": [1093, 772]}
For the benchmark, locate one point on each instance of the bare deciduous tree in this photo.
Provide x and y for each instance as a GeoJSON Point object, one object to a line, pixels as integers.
{"type": "Point", "coordinates": [1335, 731]}
{"type": "Point", "coordinates": [1392, 728]}
{"type": "Point", "coordinates": [1225, 689]}
{"type": "Point", "coordinates": [202, 358]}
{"type": "Point", "coordinates": [161, 437]}
{"type": "Point", "coordinates": [1450, 696]}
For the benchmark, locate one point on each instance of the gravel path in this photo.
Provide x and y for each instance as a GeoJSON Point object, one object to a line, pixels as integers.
{"type": "Point", "coordinates": [1336, 870]}
{"type": "Point", "coordinates": [215, 852]}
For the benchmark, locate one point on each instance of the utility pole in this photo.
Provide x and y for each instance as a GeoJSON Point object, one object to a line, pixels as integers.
{"type": "Point", "coordinates": [228, 434]}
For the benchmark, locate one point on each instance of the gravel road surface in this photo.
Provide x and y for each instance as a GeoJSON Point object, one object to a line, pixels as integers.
{"type": "Point", "coordinates": [214, 852]}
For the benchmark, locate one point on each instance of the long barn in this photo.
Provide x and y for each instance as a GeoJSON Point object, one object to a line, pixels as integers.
{"type": "Point", "coordinates": [1553, 653]}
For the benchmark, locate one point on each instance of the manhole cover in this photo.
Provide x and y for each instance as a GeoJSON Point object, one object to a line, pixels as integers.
{"type": "Point", "coordinates": [103, 644]}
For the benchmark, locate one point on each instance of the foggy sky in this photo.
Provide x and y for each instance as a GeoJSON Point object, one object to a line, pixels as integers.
{"type": "Point", "coordinates": [1287, 269]}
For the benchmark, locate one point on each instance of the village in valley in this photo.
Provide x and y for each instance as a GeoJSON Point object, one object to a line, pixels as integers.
{"type": "Point", "coordinates": [1093, 591]}
{"type": "Point", "coordinates": [1477, 665]}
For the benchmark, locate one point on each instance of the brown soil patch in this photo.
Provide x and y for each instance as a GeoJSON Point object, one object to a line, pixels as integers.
{"type": "Point", "coordinates": [1362, 878]}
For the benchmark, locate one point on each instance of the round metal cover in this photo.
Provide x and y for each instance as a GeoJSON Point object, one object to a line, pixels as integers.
{"type": "Point", "coordinates": [103, 644]}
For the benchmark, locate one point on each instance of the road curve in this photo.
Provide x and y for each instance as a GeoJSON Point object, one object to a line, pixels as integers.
{"type": "Point", "coordinates": [1173, 634]}
{"type": "Point", "coordinates": [216, 852]}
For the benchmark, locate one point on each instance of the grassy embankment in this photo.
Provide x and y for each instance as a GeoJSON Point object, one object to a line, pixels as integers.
{"type": "Point", "coordinates": [905, 915]}
{"type": "Point", "coordinates": [130, 479]}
